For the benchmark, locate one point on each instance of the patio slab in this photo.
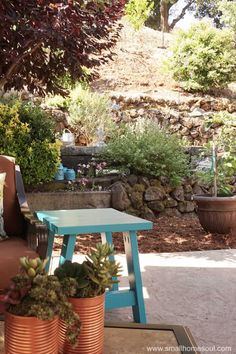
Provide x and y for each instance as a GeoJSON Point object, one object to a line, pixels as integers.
{"type": "Point", "coordinates": [194, 289]}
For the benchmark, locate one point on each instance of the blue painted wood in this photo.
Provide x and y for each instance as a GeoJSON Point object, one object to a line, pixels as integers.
{"type": "Point", "coordinates": [49, 250]}
{"type": "Point", "coordinates": [67, 249]}
{"type": "Point", "coordinates": [82, 221]}
{"type": "Point", "coordinates": [104, 221]}
{"type": "Point", "coordinates": [121, 298]}
{"type": "Point", "coordinates": [107, 238]}
{"type": "Point", "coordinates": [135, 280]}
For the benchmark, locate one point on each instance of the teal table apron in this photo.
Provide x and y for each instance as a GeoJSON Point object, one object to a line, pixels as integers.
{"type": "Point", "coordinates": [104, 221]}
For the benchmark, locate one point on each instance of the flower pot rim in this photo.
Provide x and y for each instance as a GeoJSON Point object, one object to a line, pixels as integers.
{"type": "Point", "coordinates": [88, 298]}
{"type": "Point", "coordinates": [208, 197]}
{"type": "Point", "coordinates": [29, 317]}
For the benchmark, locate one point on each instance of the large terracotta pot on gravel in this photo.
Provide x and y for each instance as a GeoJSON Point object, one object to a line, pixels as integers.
{"type": "Point", "coordinates": [91, 339]}
{"type": "Point", "coordinates": [217, 214]}
{"type": "Point", "coordinates": [29, 335]}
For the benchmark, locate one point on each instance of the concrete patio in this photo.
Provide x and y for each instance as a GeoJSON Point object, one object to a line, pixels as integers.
{"type": "Point", "coordinates": [194, 289]}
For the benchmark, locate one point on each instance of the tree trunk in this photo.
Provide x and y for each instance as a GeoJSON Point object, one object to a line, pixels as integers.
{"type": "Point", "coordinates": [164, 10]}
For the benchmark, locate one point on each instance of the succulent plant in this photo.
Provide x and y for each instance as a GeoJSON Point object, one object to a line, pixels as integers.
{"type": "Point", "coordinates": [34, 293]}
{"type": "Point", "coordinates": [94, 275]}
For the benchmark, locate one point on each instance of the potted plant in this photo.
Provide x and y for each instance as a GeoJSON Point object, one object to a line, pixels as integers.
{"type": "Point", "coordinates": [217, 211]}
{"type": "Point", "coordinates": [32, 308]}
{"type": "Point", "coordinates": [93, 276]}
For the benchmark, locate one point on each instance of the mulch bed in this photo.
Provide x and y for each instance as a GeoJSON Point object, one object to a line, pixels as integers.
{"type": "Point", "coordinates": [168, 235]}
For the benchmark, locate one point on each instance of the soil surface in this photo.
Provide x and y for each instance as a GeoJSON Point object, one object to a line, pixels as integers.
{"type": "Point", "coordinates": [168, 235]}
{"type": "Point", "coordinates": [138, 66]}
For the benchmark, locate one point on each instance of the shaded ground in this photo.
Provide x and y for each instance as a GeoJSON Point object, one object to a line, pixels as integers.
{"type": "Point", "coordinates": [168, 235]}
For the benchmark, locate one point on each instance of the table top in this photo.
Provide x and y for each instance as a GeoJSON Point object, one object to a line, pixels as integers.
{"type": "Point", "coordinates": [133, 338]}
{"type": "Point", "coordinates": [81, 221]}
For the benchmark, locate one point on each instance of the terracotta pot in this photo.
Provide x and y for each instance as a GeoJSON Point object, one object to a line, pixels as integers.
{"type": "Point", "coordinates": [29, 335]}
{"type": "Point", "coordinates": [217, 214]}
{"type": "Point", "coordinates": [91, 339]}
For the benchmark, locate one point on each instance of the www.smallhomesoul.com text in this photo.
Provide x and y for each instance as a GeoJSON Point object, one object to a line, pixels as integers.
{"type": "Point", "coordinates": [182, 348]}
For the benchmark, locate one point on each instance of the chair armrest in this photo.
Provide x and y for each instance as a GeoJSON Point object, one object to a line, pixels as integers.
{"type": "Point", "coordinates": [36, 233]}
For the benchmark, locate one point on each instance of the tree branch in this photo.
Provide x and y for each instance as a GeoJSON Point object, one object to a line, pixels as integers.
{"type": "Point", "coordinates": [181, 15]}
{"type": "Point", "coordinates": [17, 62]}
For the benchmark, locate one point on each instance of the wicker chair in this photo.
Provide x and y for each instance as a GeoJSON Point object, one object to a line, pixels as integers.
{"type": "Point", "coordinates": [27, 235]}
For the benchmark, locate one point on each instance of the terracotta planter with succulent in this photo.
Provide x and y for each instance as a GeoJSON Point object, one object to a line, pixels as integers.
{"type": "Point", "coordinates": [33, 306]}
{"type": "Point", "coordinates": [217, 212]}
{"type": "Point", "coordinates": [96, 274]}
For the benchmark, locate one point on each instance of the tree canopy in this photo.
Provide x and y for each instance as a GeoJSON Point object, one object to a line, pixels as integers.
{"type": "Point", "coordinates": [42, 40]}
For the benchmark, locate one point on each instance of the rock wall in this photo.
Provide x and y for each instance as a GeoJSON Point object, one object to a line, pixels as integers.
{"type": "Point", "coordinates": [148, 197]}
{"type": "Point", "coordinates": [185, 115]}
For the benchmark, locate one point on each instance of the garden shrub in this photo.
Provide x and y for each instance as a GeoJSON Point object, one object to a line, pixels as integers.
{"type": "Point", "coordinates": [26, 134]}
{"type": "Point", "coordinates": [88, 111]}
{"type": "Point", "coordinates": [148, 150]}
{"type": "Point", "coordinates": [203, 58]}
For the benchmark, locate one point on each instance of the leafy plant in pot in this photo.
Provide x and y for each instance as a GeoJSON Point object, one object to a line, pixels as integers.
{"type": "Point", "coordinates": [93, 276]}
{"type": "Point", "coordinates": [217, 212]}
{"type": "Point", "coordinates": [32, 308]}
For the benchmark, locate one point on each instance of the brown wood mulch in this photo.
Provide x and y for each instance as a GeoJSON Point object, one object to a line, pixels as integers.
{"type": "Point", "coordinates": [168, 235]}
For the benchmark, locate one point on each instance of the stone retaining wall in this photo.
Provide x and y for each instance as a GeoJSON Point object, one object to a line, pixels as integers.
{"type": "Point", "coordinates": [68, 200]}
{"type": "Point", "coordinates": [185, 115]}
{"type": "Point", "coordinates": [147, 197]}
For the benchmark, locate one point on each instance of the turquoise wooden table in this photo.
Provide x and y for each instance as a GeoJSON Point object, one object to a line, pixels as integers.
{"type": "Point", "coordinates": [104, 221]}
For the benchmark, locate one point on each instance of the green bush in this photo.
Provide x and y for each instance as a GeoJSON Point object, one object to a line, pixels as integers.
{"type": "Point", "coordinates": [137, 12]}
{"type": "Point", "coordinates": [148, 150]}
{"type": "Point", "coordinates": [228, 9]}
{"type": "Point", "coordinates": [26, 133]}
{"type": "Point", "coordinates": [88, 111]}
{"type": "Point", "coordinates": [203, 58]}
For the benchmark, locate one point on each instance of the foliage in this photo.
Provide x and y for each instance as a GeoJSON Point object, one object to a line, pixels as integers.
{"type": "Point", "coordinates": [225, 150]}
{"type": "Point", "coordinates": [228, 9]}
{"type": "Point", "coordinates": [89, 111]}
{"type": "Point", "coordinates": [209, 9]}
{"type": "Point", "coordinates": [41, 41]}
{"type": "Point", "coordinates": [26, 134]}
{"type": "Point", "coordinates": [203, 58]}
{"type": "Point", "coordinates": [148, 150]}
{"type": "Point", "coordinates": [137, 12]}
{"type": "Point", "coordinates": [94, 275]}
{"type": "Point", "coordinates": [33, 293]}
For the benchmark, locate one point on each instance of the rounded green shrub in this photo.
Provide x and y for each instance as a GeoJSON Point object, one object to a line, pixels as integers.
{"type": "Point", "coordinates": [203, 58]}
{"type": "Point", "coordinates": [27, 134]}
{"type": "Point", "coordinates": [148, 150]}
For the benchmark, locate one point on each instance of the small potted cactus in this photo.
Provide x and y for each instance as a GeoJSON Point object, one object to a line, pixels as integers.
{"type": "Point", "coordinates": [32, 308]}
{"type": "Point", "coordinates": [97, 273]}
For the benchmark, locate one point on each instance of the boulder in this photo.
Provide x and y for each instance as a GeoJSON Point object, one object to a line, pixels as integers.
{"type": "Point", "coordinates": [132, 179]}
{"type": "Point", "coordinates": [156, 206]}
{"type": "Point", "coordinates": [170, 203]}
{"type": "Point", "coordinates": [144, 181]}
{"type": "Point", "coordinates": [119, 197]}
{"type": "Point", "coordinates": [147, 212]}
{"type": "Point", "coordinates": [178, 193]}
{"type": "Point", "coordinates": [154, 193]}
{"type": "Point", "coordinates": [136, 199]}
{"type": "Point", "coordinates": [186, 206]}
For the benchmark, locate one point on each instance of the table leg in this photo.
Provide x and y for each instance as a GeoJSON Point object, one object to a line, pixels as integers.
{"type": "Point", "coordinates": [107, 238]}
{"type": "Point", "coordinates": [135, 280]}
{"type": "Point", "coordinates": [49, 249]}
{"type": "Point", "coordinates": [67, 249]}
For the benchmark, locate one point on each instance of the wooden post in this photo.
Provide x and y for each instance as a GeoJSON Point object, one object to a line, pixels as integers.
{"type": "Point", "coordinates": [214, 165]}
